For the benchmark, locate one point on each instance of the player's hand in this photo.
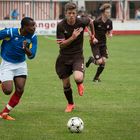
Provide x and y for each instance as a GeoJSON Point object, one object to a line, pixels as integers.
{"type": "Point", "coordinates": [59, 42]}
{"type": "Point", "coordinates": [110, 35]}
{"type": "Point", "coordinates": [24, 44]}
{"type": "Point", "coordinates": [26, 48]}
{"type": "Point", "coordinates": [76, 33]}
{"type": "Point", "coordinates": [93, 40]}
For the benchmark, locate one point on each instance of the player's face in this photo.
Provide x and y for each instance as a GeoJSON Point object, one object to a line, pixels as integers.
{"type": "Point", "coordinates": [107, 13]}
{"type": "Point", "coordinates": [30, 28]}
{"type": "Point", "coordinates": [71, 15]}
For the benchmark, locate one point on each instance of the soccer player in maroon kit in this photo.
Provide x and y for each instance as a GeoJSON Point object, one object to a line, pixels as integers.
{"type": "Point", "coordinates": [70, 60]}
{"type": "Point", "coordinates": [103, 27]}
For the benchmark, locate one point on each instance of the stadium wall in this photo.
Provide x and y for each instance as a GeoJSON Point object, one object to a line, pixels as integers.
{"type": "Point", "coordinates": [48, 27]}
{"type": "Point", "coordinates": [126, 28]}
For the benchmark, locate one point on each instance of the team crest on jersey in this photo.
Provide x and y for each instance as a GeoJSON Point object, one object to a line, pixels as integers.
{"type": "Point", "coordinates": [107, 26]}
{"type": "Point", "coordinates": [16, 38]}
{"type": "Point", "coordinates": [99, 26]}
{"type": "Point", "coordinates": [97, 56]}
{"type": "Point", "coordinates": [28, 40]}
{"type": "Point", "coordinates": [65, 32]}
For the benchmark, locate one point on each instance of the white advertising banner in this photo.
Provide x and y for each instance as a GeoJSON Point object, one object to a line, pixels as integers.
{"type": "Point", "coordinates": [44, 27]}
{"type": "Point", "coordinates": [48, 27]}
{"type": "Point", "coordinates": [127, 25]}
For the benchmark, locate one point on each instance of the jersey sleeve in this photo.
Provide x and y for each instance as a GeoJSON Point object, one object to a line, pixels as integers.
{"type": "Point", "coordinates": [33, 46]}
{"type": "Point", "coordinates": [60, 33]}
{"type": "Point", "coordinates": [95, 23]}
{"type": "Point", "coordinates": [111, 26]}
{"type": "Point", "coordinates": [6, 33]}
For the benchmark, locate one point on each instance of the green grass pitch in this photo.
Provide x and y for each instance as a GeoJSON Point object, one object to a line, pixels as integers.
{"type": "Point", "coordinates": [110, 109]}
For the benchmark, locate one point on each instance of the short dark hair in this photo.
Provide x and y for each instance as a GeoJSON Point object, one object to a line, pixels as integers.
{"type": "Point", "coordinates": [25, 21]}
{"type": "Point", "coordinates": [104, 7]}
{"type": "Point", "coordinates": [70, 6]}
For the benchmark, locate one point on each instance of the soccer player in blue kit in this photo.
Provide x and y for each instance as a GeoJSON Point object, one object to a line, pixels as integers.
{"type": "Point", "coordinates": [17, 43]}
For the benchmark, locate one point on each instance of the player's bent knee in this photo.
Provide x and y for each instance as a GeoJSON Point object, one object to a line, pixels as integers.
{"type": "Point", "coordinates": [7, 87]}
{"type": "Point", "coordinates": [104, 60]}
{"type": "Point", "coordinates": [78, 76]}
{"type": "Point", "coordinates": [99, 61]}
{"type": "Point", "coordinates": [78, 79]}
{"type": "Point", "coordinates": [7, 91]}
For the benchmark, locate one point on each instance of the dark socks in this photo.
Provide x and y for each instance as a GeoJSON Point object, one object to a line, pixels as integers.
{"type": "Point", "coordinates": [93, 60]}
{"type": "Point", "coordinates": [99, 71]}
{"type": "Point", "coordinates": [90, 60]}
{"type": "Point", "coordinates": [68, 94]}
{"type": "Point", "coordinates": [78, 83]}
{"type": "Point", "coordinates": [14, 100]}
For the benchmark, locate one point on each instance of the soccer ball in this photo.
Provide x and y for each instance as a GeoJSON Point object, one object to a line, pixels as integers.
{"type": "Point", "coordinates": [75, 125]}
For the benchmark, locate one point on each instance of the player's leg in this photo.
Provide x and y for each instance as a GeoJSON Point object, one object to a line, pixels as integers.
{"type": "Point", "coordinates": [6, 83]}
{"type": "Point", "coordinates": [90, 60]}
{"type": "Point", "coordinates": [78, 73]}
{"type": "Point", "coordinates": [6, 78]}
{"type": "Point", "coordinates": [64, 71]}
{"type": "Point", "coordinates": [101, 62]}
{"type": "Point", "coordinates": [19, 82]}
{"type": "Point", "coordinates": [97, 60]}
{"type": "Point", "coordinates": [20, 72]}
{"type": "Point", "coordinates": [68, 94]}
{"type": "Point", "coordinates": [78, 77]}
{"type": "Point", "coordinates": [96, 53]}
{"type": "Point", "coordinates": [7, 87]}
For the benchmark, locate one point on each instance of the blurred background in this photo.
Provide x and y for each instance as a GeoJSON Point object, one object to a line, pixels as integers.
{"type": "Point", "coordinates": [54, 9]}
{"type": "Point", "coordinates": [48, 12]}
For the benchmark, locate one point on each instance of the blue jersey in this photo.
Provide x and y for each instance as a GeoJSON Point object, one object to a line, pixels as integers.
{"type": "Point", "coordinates": [12, 45]}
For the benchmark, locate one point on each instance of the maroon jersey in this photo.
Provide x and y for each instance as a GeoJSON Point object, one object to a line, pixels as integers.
{"type": "Point", "coordinates": [64, 31]}
{"type": "Point", "coordinates": [101, 28]}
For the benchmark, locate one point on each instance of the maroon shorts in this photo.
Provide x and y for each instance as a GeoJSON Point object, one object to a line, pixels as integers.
{"type": "Point", "coordinates": [65, 65]}
{"type": "Point", "coordinates": [99, 51]}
